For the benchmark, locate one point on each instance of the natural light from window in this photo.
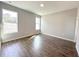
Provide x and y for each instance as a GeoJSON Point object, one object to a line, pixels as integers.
{"type": "Point", "coordinates": [38, 23]}
{"type": "Point", "coordinates": [10, 21]}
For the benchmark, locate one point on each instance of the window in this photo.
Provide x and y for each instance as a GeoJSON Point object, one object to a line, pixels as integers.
{"type": "Point", "coordinates": [38, 23]}
{"type": "Point", "coordinates": [10, 21]}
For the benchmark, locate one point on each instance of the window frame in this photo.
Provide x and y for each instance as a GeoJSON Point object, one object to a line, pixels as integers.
{"type": "Point", "coordinates": [7, 22]}
{"type": "Point", "coordinates": [38, 23]}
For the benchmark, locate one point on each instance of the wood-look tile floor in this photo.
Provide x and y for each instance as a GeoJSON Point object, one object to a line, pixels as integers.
{"type": "Point", "coordinates": [39, 46]}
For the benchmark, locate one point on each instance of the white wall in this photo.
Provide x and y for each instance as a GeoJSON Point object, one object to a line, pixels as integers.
{"type": "Point", "coordinates": [77, 32]}
{"type": "Point", "coordinates": [60, 24]}
{"type": "Point", "coordinates": [26, 24]}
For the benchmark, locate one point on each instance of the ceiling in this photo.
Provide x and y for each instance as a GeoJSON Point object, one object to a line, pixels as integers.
{"type": "Point", "coordinates": [49, 6]}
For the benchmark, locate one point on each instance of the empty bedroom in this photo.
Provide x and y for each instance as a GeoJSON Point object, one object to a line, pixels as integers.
{"type": "Point", "coordinates": [39, 28]}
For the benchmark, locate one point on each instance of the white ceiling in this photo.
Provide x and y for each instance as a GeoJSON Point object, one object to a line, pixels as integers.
{"type": "Point", "coordinates": [50, 6]}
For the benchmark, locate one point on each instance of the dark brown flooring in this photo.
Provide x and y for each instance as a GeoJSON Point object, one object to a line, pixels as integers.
{"type": "Point", "coordinates": [39, 46]}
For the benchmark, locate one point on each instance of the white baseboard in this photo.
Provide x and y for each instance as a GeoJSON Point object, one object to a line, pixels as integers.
{"type": "Point", "coordinates": [7, 40]}
{"type": "Point", "coordinates": [59, 37]}
{"type": "Point", "coordinates": [3, 41]}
